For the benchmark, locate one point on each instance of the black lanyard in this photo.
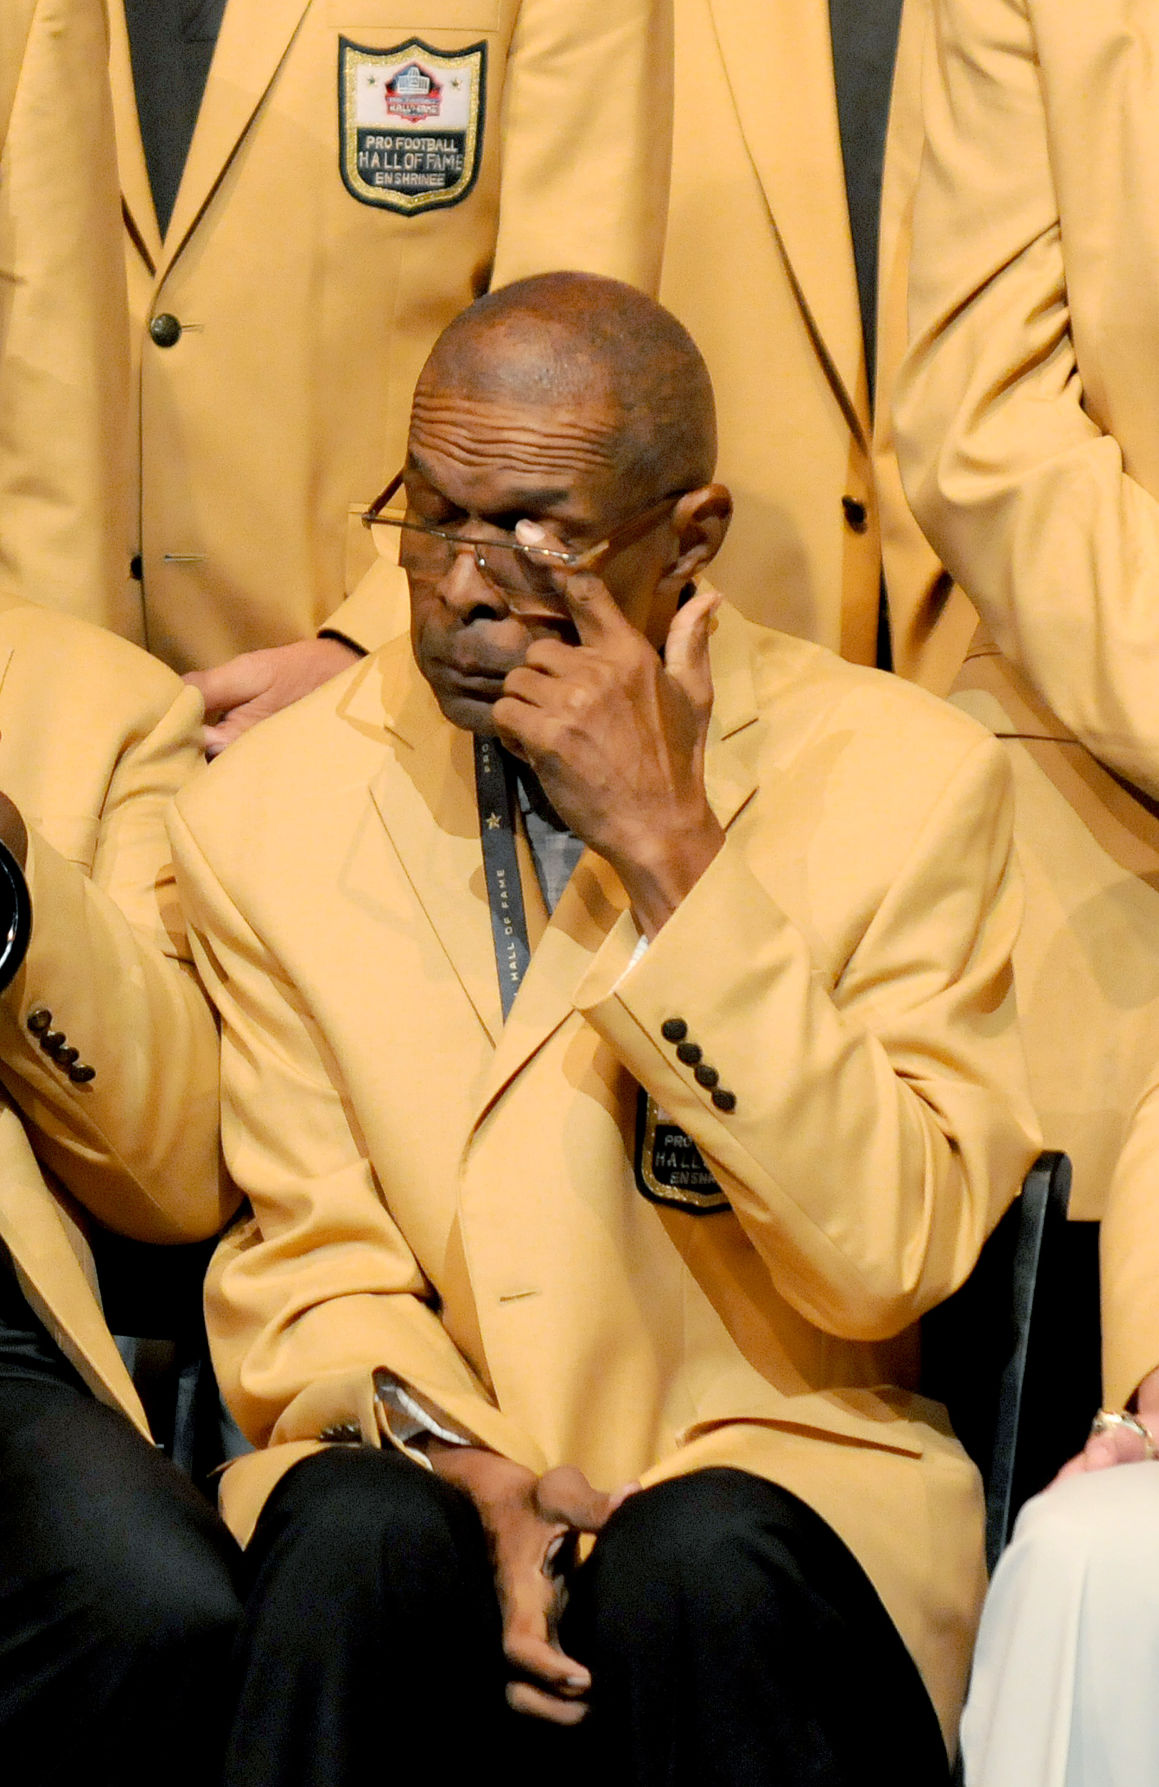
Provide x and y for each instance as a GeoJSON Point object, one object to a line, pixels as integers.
{"type": "Point", "coordinates": [493, 791]}
{"type": "Point", "coordinates": [669, 1166]}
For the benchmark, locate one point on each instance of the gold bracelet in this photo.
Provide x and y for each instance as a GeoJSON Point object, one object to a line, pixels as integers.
{"type": "Point", "coordinates": [1107, 1420]}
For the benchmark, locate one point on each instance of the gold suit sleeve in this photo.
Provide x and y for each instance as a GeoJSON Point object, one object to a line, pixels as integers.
{"type": "Point", "coordinates": [137, 1144]}
{"type": "Point", "coordinates": [1008, 459]}
{"type": "Point", "coordinates": [64, 332]}
{"type": "Point", "coordinates": [881, 1123]}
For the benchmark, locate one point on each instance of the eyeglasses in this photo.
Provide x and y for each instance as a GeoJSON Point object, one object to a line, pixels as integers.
{"type": "Point", "coordinates": [515, 569]}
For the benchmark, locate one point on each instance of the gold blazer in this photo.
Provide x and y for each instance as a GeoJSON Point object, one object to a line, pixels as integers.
{"type": "Point", "coordinates": [469, 1205]}
{"type": "Point", "coordinates": [759, 265]}
{"type": "Point", "coordinates": [1028, 432]}
{"type": "Point", "coordinates": [308, 300]}
{"type": "Point", "coordinates": [1028, 412]}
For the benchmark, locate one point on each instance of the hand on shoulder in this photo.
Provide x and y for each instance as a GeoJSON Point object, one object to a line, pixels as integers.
{"type": "Point", "coordinates": [256, 685]}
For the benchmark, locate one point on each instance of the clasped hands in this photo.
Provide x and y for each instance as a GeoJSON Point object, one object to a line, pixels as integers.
{"type": "Point", "coordinates": [531, 1525]}
{"type": "Point", "coordinates": [616, 735]}
{"type": "Point", "coordinates": [255, 685]}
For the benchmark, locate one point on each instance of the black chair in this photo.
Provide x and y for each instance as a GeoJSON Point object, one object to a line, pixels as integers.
{"type": "Point", "coordinates": [1014, 1354]}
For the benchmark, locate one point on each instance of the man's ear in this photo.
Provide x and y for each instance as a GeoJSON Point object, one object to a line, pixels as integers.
{"type": "Point", "coordinates": [700, 522]}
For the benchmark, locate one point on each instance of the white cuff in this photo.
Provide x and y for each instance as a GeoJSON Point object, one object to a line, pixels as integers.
{"type": "Point", "coordinates": [637, 956]}
{"type": "Point", "coordinates": [411, 1420]}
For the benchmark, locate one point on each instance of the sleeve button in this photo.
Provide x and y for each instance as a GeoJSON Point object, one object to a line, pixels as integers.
{"type": "Point", "coordinates": [674, 1029]}
{"type": "Point", "coordinates": [724, 1101]}
{"type": "Point", "coordinates": [690, 1053]}
{"type": "Point", "coordinates": [39, 1020]}
{"type": "Point", "coordinates": [51, 1040]}
{"type": "Point", "coordinates": [66, 1056]}
{"type": "Point", "coordinates": [81, 1075]}
{"type": "Point", "coordinates": [707, 1076]}
{"type": "Point", "coordinates": [342, 1433]}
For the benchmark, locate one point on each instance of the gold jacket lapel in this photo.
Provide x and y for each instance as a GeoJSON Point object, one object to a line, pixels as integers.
{"type": "Point", "coordinates": [779, 58]}
{"type": "Point", "coordinates": [729, 777]}
{"type": "Point", "coordinates": [47, 1251]}
{"type": "Point", "coordinates": [253, 41]}
{"type": "Point", "coordinates": [425, 796]}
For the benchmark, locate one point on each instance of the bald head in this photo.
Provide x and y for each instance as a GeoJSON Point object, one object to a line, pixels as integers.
{"type": "Point", "coordinates": [575, 341]}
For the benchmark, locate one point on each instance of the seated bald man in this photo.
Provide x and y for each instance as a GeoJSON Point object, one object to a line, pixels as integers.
{"type": "Point", "coordinates": [614, 1079]}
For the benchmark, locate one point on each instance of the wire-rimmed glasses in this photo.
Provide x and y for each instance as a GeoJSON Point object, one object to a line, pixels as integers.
{"type": "Point", "coordinates": [515, 569]}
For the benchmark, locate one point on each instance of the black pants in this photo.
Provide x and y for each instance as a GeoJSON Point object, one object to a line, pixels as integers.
{"type": "Point", "coordinates": [733, 1641]}
{"type": "Point", "coordinates": [117, 1600]}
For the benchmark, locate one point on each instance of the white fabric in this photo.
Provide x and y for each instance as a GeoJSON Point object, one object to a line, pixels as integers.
{"type": "Point", "coordinates": [411, 1420]}
{"type": "Point", "coordinates": [1065, 1689]}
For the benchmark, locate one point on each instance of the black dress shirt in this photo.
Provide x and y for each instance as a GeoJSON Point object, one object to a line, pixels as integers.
{"type": "Point", "coordinates": [171, 43]}
{"type": "Point", "coordinates": [865, 36]}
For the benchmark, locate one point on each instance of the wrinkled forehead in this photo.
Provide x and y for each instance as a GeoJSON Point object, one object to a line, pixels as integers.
{"type": "Point", "coordinates": [462, 439]}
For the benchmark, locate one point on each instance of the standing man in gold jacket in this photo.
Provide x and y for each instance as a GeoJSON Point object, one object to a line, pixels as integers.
{"type": "Point", "coordinates": [1028, 433]}
{"type": "Point", "coordinates": [64, 351]}
{"type": "Point", "coordinates": [796, 147]}
{"type": "Point", "coordinates": [289, 269]}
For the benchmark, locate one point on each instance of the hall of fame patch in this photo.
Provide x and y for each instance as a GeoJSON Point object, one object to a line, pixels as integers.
{"type": "Point", "coordinates": [670, 1168]}
{"type": "Point", "coordinates": [410, 123]}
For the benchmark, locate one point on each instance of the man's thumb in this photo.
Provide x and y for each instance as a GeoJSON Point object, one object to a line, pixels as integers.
{"type": "Point", "coordinates": [564, 1494]}
{"type": "Point", "coordinates": [686, 656]}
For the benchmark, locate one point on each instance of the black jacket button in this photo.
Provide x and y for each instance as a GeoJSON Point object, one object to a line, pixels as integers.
{"type": "Point", "coordinates": [66, 1056]}
{"type": "Point", "coordinates": [80, 1076]}
{"type": "Point", "coordinates": [724, 1101]}
{"type": "Point", "coordinates": [674, 1029]}
{"type": "Point", "coordinates": [706, 1076]}
{"type": "Point", "coordinates": [690, 1053]}
{"type": "Point", "coordinates": [39, 1020]}
{"type": "Point", "coordinates": [856, 514]}
{"type": "Point", "coordinates": [52, 1040]}
{"type": "Point", "coordinates": [165, 329]}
